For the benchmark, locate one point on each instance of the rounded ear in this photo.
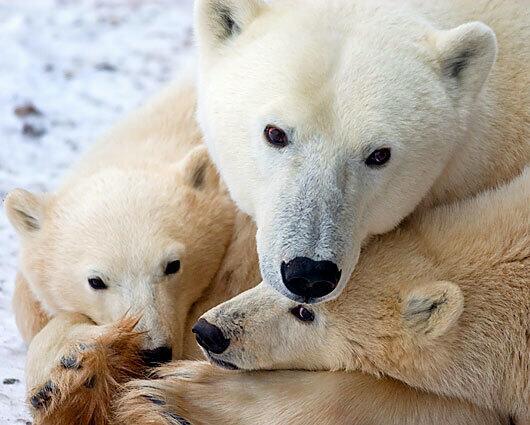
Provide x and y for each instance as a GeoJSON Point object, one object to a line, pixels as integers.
{"type": "Point", "coordinates": [431, 310]}
{"type": "Point", "coordinates": [466, 56]}
{"type": "Point", "coordinates": [25, 211]}
{"type": "Point", "coordinates": [198, 170]}
{"type": "Point", "coordinates": [217, 21]}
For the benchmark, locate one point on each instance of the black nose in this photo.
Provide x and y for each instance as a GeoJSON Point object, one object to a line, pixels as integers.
{"type": "Point", "coordinates": [310, 279]}
{"type": "Point", "coordinates": [210, 337]}
{"type": "Point", "coordinates": [157, 356]}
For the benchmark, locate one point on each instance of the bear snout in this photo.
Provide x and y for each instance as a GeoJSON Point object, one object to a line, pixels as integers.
{"type": "Point", "coordinates": [210, 337]}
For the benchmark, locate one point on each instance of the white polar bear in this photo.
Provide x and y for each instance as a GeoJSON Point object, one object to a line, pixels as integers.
{"type": "Point", "coordinates": [332, 120]}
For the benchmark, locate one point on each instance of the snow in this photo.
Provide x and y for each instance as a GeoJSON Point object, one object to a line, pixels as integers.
{"type": "Point", "coordinates": [68, 70]}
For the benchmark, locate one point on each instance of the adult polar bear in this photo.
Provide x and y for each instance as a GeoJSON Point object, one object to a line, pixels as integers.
{"type": "Point", "coordinates": [331, 120]}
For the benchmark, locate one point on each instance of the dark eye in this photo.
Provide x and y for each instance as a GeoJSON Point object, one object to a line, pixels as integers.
{"type": "Point", "coordinates": [97, 283]}
{"type": "Point", "coordinates": [302, 313]}
{"type": "Point", "coordinates": [378, 158]}
{"type": "Point", "coordinates": [276, 136]}
{"type": "Point", "coordinates": [172, 267]}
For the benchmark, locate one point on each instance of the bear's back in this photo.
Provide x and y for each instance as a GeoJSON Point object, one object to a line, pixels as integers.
{"type": "Point", "coordinates": [157, 134]}
{"type": "Point", "coordinates": [491, 228]}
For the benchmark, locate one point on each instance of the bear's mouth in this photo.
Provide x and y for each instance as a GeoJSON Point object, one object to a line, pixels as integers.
{"type": "Point", "coordinates": [221, 363]}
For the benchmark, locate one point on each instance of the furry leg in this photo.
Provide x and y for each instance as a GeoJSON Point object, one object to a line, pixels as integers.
{"type": "Point", "coordinates": [200, 394]}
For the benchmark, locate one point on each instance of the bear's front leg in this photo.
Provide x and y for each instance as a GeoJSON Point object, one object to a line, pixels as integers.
{"type": "Point", "coordinates": [197, 393]}
{"type": "Point", "coordinates": [29, 314]}
{"type": "Point", "coordinates": [75, 368]}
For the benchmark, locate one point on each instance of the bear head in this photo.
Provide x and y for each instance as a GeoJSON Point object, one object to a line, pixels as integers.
{"type": "Point", "coordinates": [136, 242]}
{"type": "Point", "coordinates": [331, 121]}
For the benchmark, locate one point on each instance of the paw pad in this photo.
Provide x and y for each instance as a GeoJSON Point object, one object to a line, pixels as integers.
{"type": "Point", "coordinates": [173, 418]}
{"type": "Point", "coordinates": [90, 383]}
{"type": "Point", "coordinates": [155, 400]}
{"type": "Point", "coordinates": [85, 347]}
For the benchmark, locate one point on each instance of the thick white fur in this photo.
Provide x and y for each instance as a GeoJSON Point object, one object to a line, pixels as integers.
{"type": "Point", "coordinates": [143, 192]}
{"type": "Point", "coordinates": [443, 84]}
{"type": "Point", "coordinates": [144, 195]}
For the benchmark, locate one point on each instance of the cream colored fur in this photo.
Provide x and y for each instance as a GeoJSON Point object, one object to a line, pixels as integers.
{"type": "Point", "coordinates": [206, 395]}
{"type": "Point", "coordinates": [443, 84]}
{"type": "Point", "coordinates": [125, 211]}
{"type": "Point", "coordinates": [144, 195]}
{"type": "Point", "coordinates": [442, 304]}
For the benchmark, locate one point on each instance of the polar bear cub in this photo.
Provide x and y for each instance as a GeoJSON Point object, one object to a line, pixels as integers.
{"type": "Point", "coordinates": [122, 236]}
{"type": "Point", "coordinates": [442, 305]}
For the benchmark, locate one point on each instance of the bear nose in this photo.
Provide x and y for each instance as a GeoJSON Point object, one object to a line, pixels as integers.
{"type": "Point", "coordinates": [210, 337]}
{"type": "Point", "coordinates": [157, 356]}
{"type": "Point", "coordinates": [309, 278]}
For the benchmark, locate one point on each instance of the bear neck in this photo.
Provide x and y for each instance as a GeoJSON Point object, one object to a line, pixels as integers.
{"type": "Point", "coordinates": [486, 155]}
{"type": "Point", "coordinates": [478, 360]}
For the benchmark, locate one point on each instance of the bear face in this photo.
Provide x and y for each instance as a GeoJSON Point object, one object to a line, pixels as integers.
{"type": "Point", "coordinates": [442, 304]}
{"type": "Point", "coordinates": [267, 331]}
{"type": "Point", "coordinates": [327, 129]}
{"type": "Point", "coordinates": [127, 242]}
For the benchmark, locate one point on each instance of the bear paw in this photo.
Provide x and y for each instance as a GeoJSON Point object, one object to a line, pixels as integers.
{"type": "Point", "coordinates": [87, 377]}
{"type": "Point", "coordinates": [150, 402]}
{"type": "Point", "coordinates": [43, 396]}
{"type": "Point", "coordinates": [180, 393]}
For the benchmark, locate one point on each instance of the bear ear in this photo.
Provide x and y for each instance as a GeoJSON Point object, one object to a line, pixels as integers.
{"type": "Point", "coordinates": [198, 170]}
{"type": "Point", "coordinates": [466, 55]}
{"type": "Point", "coordinates": [431, 310]}
{"type": "Point", "coordinates": [217, 21]}
{"type": "Point", "coordinates": [25, 211]}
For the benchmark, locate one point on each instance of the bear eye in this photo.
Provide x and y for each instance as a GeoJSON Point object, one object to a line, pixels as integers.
{"type": "Point", "coordinates": [378, 157]}
{"type": "Point", "coordinates": [97, 283]}
{"type": "Point", "coordinates": [276, 136]}
{"type": "Point", "coordinates": [172, 267]}
{"type": "Point", "coordinates": [302, 313]}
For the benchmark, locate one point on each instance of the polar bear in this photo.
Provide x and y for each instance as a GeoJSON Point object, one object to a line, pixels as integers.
{"type": "Point", "coordinates": [120, 234]}
{"type": "Point", "coordinates": [139, 228]}
{"type": "Point", "coordinates": [333, 120]}
{"type": "Point", "coordinates": [442, 304]}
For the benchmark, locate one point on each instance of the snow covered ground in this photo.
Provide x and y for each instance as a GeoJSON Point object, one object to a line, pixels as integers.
{"type": "Point", "coordinates": [68, 69]}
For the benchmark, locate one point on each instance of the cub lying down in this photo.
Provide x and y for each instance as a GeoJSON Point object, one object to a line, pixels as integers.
{"type": "Point", "coordinates": [138, 228]}
{"type": "Point", "coordinates": [442, 304]}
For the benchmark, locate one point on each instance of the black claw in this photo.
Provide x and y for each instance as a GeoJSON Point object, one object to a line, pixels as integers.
{"type": "Point", "coordinates": [91, 383]}
{"type": "Point", "coordinates": [155, 400]}
{"type": "Point", "coordinates": [70, 362]}
{"type": "Point", "coordinates": [176, 419]}
{"type": "Point", "coordinates": [43, 397]}
{"type": "Point", "coordinates": [85, 347]}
